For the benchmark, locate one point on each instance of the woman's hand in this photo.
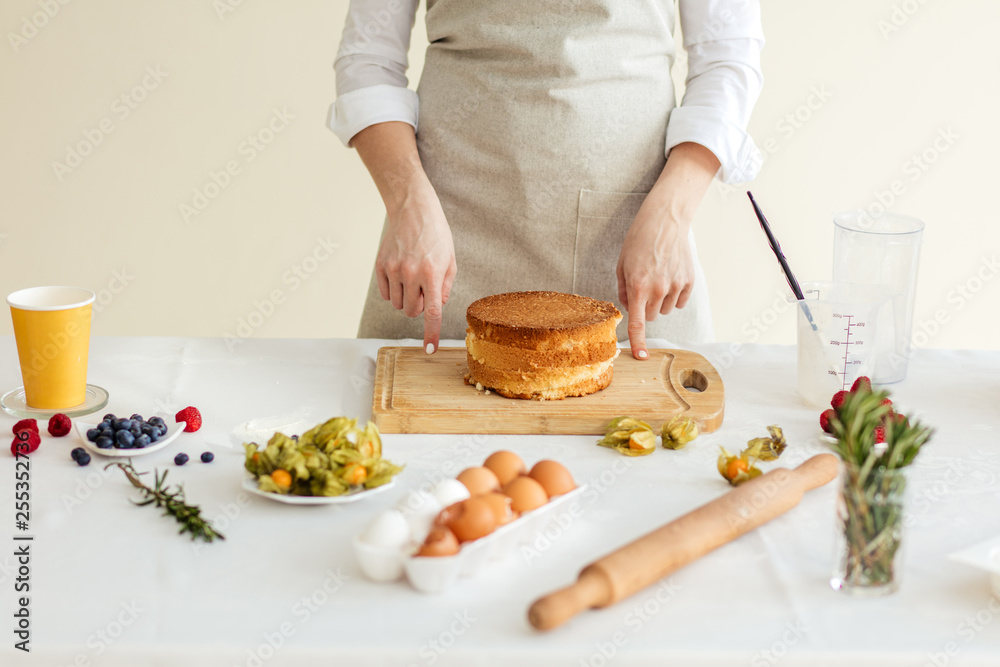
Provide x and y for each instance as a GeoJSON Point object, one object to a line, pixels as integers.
{"type": "Point", "coordinates": [415, 266]}
{"type": "Point", "coordinates": [655, 271]}
{"type": "Point", "coordinates": [655, 267]}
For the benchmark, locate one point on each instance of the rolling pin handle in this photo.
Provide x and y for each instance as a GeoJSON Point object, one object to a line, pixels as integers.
{"type": "Point", "coordinates": [817, 471]}
{"type": "Point", "coordinates": [592, 589]}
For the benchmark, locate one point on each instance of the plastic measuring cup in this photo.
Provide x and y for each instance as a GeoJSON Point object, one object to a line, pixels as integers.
{"type": "Point", "coordinates": [837, 325]}
{"type": "Point", "coordinates": [882, 250]}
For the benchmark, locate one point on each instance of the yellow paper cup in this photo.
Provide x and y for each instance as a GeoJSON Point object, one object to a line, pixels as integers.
{"type": "Point", "coordinates": [52, 330]}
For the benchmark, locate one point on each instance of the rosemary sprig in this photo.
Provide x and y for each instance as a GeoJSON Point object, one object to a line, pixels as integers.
{"type": "Point", "coordinates": [873, 485]}
{"type": "Point", "coordinates": [172, 501]}
{"type": "Point", "coordinates": [854, 429]}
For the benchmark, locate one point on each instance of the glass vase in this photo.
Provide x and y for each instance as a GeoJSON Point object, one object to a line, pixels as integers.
{"type": "Point", "coordinates": [869, 531]}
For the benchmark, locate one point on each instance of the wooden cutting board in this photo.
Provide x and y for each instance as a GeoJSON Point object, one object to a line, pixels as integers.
{"type": "Point", "coordinates": [420, 393]}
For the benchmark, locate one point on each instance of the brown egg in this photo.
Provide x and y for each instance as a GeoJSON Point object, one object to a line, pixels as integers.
{"type": "Point", "coordinates": [506, 466]}
{"type": "Point", "coordinates": [479, 481]}
{"type": "Point", "coordinates": [474, 519]}
{"type": "Point", "coordinates": [440, 542]}
{"type": "Point", "coordinates": [525, 494]}
{"type": "Point", "coordinates": [445, 516]}
{"type": "Point", "coordinates": [500, 504]}
{"type": "Point", "coordinates": [553, 477]}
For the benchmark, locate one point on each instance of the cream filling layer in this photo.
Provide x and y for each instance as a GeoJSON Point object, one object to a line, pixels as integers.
{"type": "Point", "coordinates": [477, 348]}
{"type": "Point", "coordinates": [551, 380]}
{"type": "Point", "coordinates": [565, 345]}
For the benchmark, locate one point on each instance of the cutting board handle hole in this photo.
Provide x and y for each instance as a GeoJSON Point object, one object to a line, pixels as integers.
{"type": "Point", "coordinates": [693, 380]}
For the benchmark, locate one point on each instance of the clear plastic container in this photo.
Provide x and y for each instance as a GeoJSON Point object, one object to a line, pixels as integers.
{"type": "Point", "coordinates": [837, 330]}
{"type": "Point", "coordinates": [882, 251]}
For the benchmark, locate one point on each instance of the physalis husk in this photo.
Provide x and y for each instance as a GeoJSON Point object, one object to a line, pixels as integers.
{"type": "Point", "coordinates": [767, 449]}
{"type": "Point", "coordinates": [737, 469]}
{"type": "Point", "coordinates": [678, 432]}
{"type": "Point", "coordinates": [631, 437]}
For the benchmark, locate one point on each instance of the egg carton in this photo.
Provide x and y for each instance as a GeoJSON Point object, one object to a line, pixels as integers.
{"type": "Point", "coordinates": [434, 574]}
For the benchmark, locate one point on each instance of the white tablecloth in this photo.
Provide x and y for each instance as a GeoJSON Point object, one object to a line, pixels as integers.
{"type": "Point", "coordinates": [112, 584]}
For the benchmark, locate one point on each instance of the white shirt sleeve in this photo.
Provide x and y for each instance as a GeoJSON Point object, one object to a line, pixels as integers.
{"type": "Point", "coordinates": [723, 39]}
{"type": "Point", "coordinates": [371, 67]}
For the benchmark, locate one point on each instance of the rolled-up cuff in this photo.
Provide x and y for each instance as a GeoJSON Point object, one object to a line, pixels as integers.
{"type": "Point", "coordinates": [356, 110]}
{"type": "Point", "coordinates": [735, 149]}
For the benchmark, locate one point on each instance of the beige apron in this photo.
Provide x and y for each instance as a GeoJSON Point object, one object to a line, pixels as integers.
{"type": "Point", "coordinates": [542, 125]}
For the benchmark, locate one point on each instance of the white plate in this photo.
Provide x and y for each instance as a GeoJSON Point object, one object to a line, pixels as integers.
{"type": "Point", "coordinates": [173, 430]}
{"type": "Point", "coordinates": [250, 484]}
{"type": "Point", "coordinates": [985, 556]}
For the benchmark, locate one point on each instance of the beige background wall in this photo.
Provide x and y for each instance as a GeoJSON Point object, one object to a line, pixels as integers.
{"type": "Point", "coordinates": [205, 187]}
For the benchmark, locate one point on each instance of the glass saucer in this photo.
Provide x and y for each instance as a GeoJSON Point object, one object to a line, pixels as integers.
{"type": "Point", "coordinates": [15, 403]}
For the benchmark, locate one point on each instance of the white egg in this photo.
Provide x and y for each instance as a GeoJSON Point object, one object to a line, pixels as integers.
{"type": "Point", "coordinates": [450, 491]}
{"type": "Point", "coordinates": [389, 530]}
{"type": "Point", "coordinates": [420, 509]}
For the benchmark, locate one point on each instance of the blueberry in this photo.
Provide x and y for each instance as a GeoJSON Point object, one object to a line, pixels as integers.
{"type": "Point", "coordinates": [135, 430]}
{"type": "Point", "coordinates": [125, 439]}
{"type": "Point", "coordinates": [136, 418]}
{"type": "Point", "coordinates": [147, 428]}
{"type": "Point", "coordinates": [110, 417]}
{"type": "Point", "coordinates": [93, 434]}
{"type": "Point", "coordinates": [154, 436]}
{"type": "Point", "coordinates": [75, 454]}
{"type": "Point", "coordinates": [207, 457]}
{"type": "Point", "coordinates": [162, 430]}
{"type": "Point", "coordinates": [104, 442]}
{"type": "Point", "coordinates": [106, 425]}
{"type": "Point", "coordinates": [127, 424]}
{"type": "Point", "coordinates": [142, 441]}
{"type": "Point", "coordinates": [119, 424]}
{"type": "Point", "coordinates": [83, 459]}
{"type": "Point", "coordinates": [181, 459]}
{"type": "Point", "coordinates": [156, 420]}
{"type": "Point", "coordinates": [108, 432]}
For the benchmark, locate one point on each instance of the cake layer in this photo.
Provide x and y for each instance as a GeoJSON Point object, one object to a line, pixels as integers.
{"type": "Point", "coordinates": [542, 385]}
{"type": "Point", "coordinates": [542, 321]}
{"type": "Point", "coordinates": [506, 357]}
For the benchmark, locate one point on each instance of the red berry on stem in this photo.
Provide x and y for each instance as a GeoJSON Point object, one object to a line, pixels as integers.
{"type": "Point", "coordinates": [863, 383]}
{"type": "Point", "coordinates": [190, 415]}
{"type": "Point", "coordinates": [880, 433]}
{"type": "Point", "coordinates": [59, 425]}
{"type": "Point", "coordinates": [824, 420]}
{"type": "Point", "coordinates": [838, 399]}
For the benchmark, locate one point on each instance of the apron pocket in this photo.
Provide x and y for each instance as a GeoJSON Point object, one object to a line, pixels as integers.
{"type": "Point", "coordinates": [602, 221]}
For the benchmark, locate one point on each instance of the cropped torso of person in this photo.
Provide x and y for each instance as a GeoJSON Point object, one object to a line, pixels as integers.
{"type": "Point", "coordinates": [543, 132]}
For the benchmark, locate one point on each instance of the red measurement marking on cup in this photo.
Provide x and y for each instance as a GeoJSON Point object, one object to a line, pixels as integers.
{"type": "Point", "coordinates": [846, 344]}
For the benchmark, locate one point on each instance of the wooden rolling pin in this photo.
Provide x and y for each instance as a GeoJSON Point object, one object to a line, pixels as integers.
{"type": "Point", "coordinates": [671, 547]}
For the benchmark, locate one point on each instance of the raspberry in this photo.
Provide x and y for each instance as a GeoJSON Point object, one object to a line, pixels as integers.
{"type": "Point", "coordinates": [30, 438]}
{"type": "Point", "coordinates": [863, 383]}
{"type": "Point", "coordinates": [29, 424]}
{"type": "Point", "coordinates": [886, 401]}
{"type": "Point", "coordinates": [838, 399]}
{"type": "Point", "coordinates": [59, 425]}
{"type": "Point", "coordinates": [190, 415]}
{"type": "Point", "coordinates": [880, 433]}
{"type": "Point", "coordinates": [825, 418]}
